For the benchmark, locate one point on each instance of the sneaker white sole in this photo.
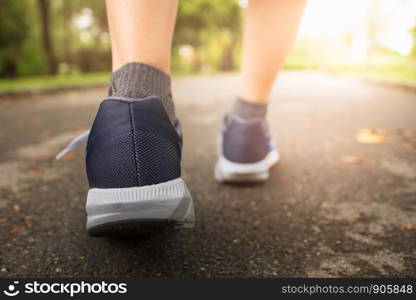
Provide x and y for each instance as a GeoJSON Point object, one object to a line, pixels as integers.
{"type": "Point", "coordinates": [228, 171]}
{"type": "Point", "coordinates": [121, 211]}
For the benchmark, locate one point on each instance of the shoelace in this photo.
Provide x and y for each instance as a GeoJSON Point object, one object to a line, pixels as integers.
{"type": "Point", "coordinates": [82, 138]}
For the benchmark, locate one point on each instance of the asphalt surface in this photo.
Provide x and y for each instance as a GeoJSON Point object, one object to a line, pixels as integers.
{"type": "Point", "coordinates": [342, 201]}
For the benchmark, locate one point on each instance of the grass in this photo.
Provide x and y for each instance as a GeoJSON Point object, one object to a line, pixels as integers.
{"type": "Point", "coordinates": [385, 67]}
{"type": "Point", "coordinates": [52, 82]}
{"type": "Point", "coordinates": [395, 75]}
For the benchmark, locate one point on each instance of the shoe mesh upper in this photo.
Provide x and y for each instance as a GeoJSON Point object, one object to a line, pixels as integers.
{"type": "Point", "coordinates": [132, 144]}
{"type": "Point", "coordinates": [157, 158]}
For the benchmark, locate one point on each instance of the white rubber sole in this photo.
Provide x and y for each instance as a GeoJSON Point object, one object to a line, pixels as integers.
{"type": "Point", "coordinates": [228, 171]}
{"type": "Point", "coordinates": [165, 202]}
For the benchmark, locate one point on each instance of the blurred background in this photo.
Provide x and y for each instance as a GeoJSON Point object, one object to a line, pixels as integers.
{"type": "Point", "coordinates": [46, 43]}
{"type": "Point", "coordinates": [341, 203]}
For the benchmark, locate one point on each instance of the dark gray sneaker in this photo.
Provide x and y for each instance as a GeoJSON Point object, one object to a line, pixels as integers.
{"type": "Point", "coordinates": [133, 163]}
{"type": "Point", "coordinates": [246, 150]}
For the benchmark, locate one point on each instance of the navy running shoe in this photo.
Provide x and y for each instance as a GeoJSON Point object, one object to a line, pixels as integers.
{"type": "Point", "coordinates": [246, 150]}
{"type": "Point", "coordinates": [133, 157]}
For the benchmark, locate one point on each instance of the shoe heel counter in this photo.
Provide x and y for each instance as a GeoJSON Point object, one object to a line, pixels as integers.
{"type": "Point", "coordinates": [244, 143]}
{"type": "Point", "coordinates": [132, 143]}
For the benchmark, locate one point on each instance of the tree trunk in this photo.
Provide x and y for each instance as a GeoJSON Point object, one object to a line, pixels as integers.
{"type": "Point", "coordinates": [227, 58]}
{"type": "Point", "coordinates": [67, 40]}
{"type": "Point", "coordinates": [44, 7]}
{"type": "Point", "coordinates": [9, 68]}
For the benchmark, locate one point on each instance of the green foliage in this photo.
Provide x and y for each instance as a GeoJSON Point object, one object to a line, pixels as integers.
{"type": "Point", "coordinates": [52, 82]}
{"type": "Point", "coordinates": [14, 29]}
{"type": "Point", "coordinates": [207, 39]}
{"type": "Point", "coordinates": [33, 60]}
{"type": "Point", "coordinates": [212, 28]}
{"type": "Point", "coordinates": [384, 65]}
{"type": "Point", "coordinates": [77, 49]}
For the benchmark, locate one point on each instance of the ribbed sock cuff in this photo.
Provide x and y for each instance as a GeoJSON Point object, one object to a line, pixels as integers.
{"type": "Point", "coordinates": [249, 110]}
{"type": "Point", "coordinates": [139, 80]}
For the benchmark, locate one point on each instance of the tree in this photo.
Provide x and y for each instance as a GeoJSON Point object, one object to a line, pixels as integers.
{"type": "Point", "coordinates": [67, 35]}
{"type": "Point", "coordinates": [198, 19]}
{"type": "Point", "coordinates": [44, 12]}
{"type": "Point", "coordinates": [13, 31]}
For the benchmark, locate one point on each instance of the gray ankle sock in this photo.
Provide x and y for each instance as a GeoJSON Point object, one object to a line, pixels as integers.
{"type": "Point", "coordinates": [249, 110]}
{"type": "Point", "coordinates": [139, 80]}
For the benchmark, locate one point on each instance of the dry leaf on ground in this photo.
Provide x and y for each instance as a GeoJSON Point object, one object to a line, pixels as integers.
{"type": "Point", "coordinates": [15, 229]}
{"type": "Point", "coordinates": [370, 136]}
{"type": "Point", "coordinates": [409, 227]}
{"type": "Point", "coordinates": [351, 159]}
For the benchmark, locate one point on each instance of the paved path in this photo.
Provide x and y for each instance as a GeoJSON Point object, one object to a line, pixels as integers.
{"type": "Point", "coordinates": [334, 206]}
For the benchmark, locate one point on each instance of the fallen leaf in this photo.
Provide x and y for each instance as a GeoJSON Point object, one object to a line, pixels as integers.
{"type": "Point", "coordinates": [16, 207]}
{"type": "Point", "coordinates": [353, 220]}
{"type": "Point", "coordinates": [409, 227]}
{"type": "Point", "coordinates": [257, 222]}
{"type": "Point", "coordinates": [370, 136]}
{"type": "Point", "coordinates": [15, 229]}
{"type": "Point", "coordinates": [351, 159]}
{"type": "Point", "coordinates": [68, 156]}
{"type": "Point", "coordinates": [35, 170]}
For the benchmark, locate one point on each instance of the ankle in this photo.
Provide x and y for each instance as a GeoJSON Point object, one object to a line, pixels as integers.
{"type": "Point", "coordinates": [249, 110]}
{"type": "Point", "coordinates": [138, 80]}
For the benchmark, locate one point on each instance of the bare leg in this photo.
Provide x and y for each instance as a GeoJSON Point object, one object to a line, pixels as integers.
{"type": "Point", "coordinates": [134, 151]}
{"type": "Point", "coordinates": [141, 31]}
{"type": "Point", "coordinates": [269, 31]}
{"type": "Point", "coordinates": [141, 36]}
{"type": "Point", "coordinates": [247, 150]}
